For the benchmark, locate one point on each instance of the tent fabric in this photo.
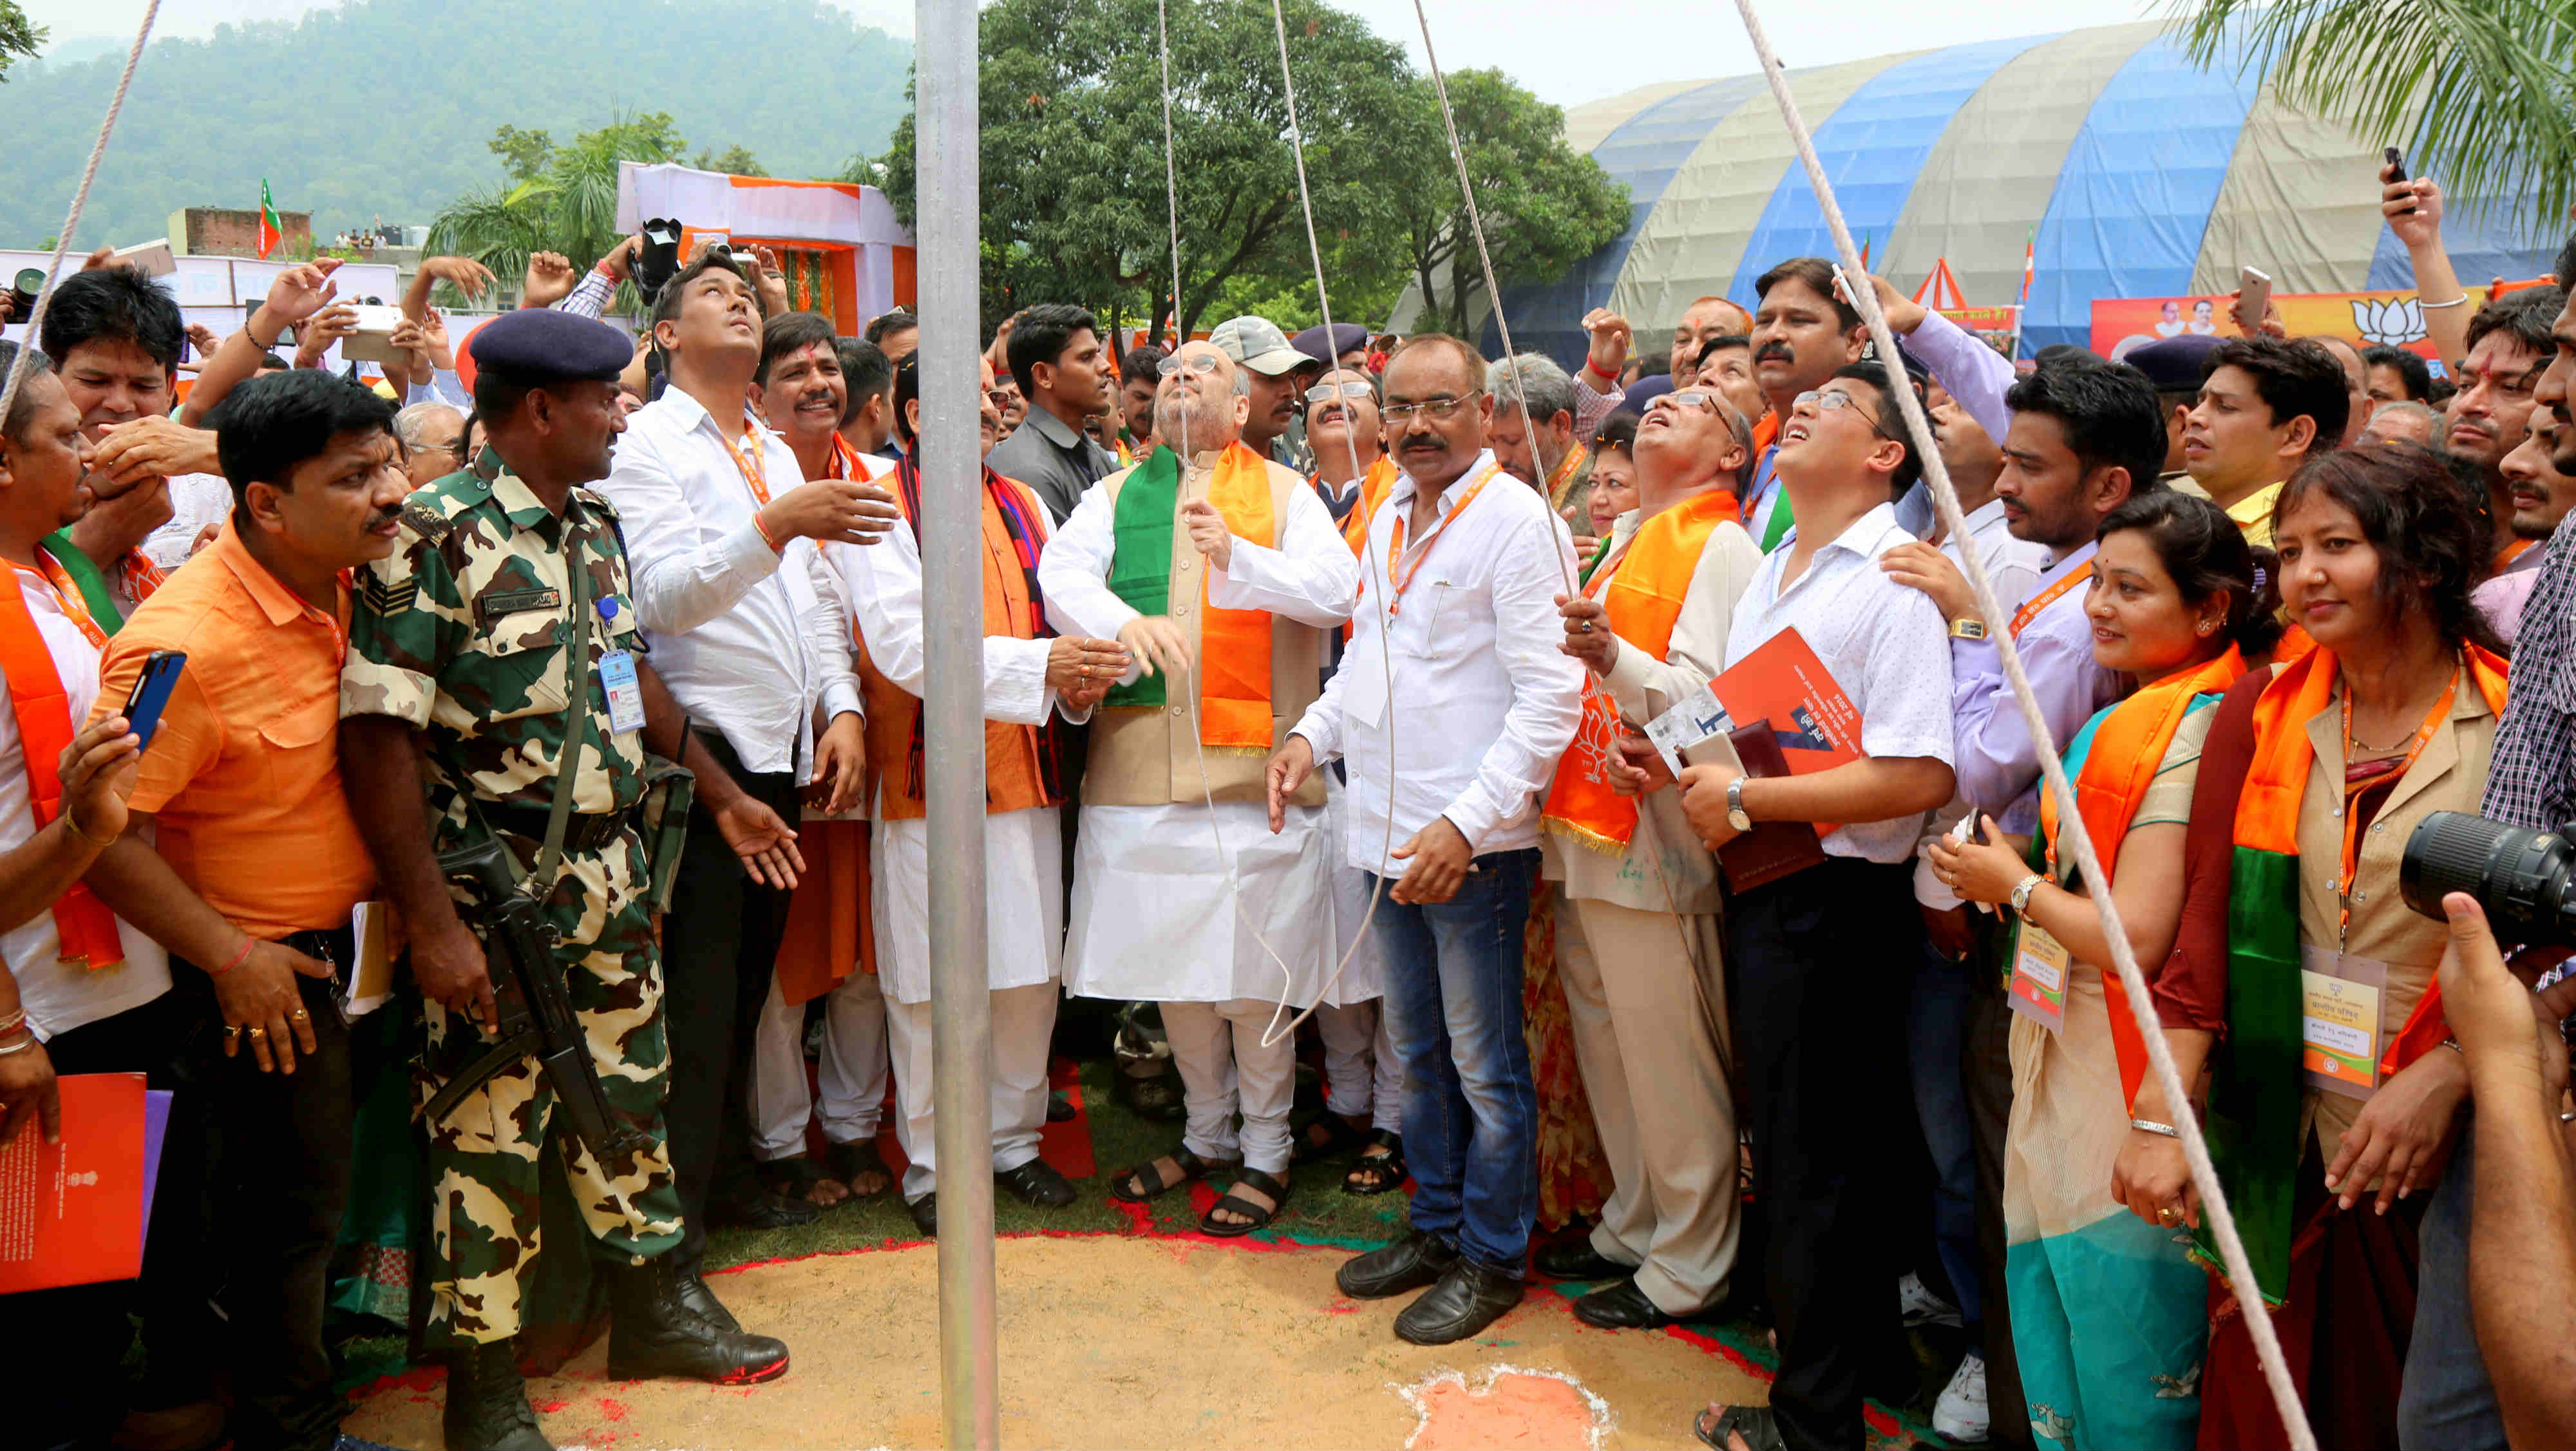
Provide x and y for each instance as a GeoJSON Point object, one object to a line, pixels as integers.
{"type": "Point", "coordinates": [1873, 146]}
{"type": "Point", "coordinates": [2300, 203]}
{"type": "Point", "coordinates": [1985, 186]}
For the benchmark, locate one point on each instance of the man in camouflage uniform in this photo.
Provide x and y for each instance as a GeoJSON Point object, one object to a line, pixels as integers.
{"type": "Point", "coordinates": [455, 688]}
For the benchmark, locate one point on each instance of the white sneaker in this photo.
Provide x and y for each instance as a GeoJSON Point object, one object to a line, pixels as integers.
{"type": "Point", "coordinates": [1960, 1414]}
{"type": "Point", "coordinates": [1919, 1306]}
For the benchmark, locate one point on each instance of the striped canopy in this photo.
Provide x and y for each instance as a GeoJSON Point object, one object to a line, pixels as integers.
{"type": "Point", "coordinates": [2137, 173]}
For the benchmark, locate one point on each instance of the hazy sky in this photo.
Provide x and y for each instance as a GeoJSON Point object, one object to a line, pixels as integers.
{"type": "Point", "coordinates": [1566, 53]}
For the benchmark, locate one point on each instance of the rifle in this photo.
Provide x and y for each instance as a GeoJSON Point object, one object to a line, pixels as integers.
{"type": "Point", "coordinates": [536, 1013]}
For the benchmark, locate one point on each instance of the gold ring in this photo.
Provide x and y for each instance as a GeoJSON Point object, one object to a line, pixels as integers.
{"type": "Point", "coordinates": [2167, 1215]}
{"type": "Point", "coordinates": [233, 1031]}
{"type": "Point", "coordinates": [299, 1015]}
{"type": "Point", "coordinates": [259, 1032]}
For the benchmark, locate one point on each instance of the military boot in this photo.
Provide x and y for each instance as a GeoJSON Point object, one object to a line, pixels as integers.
{"type": "Point", "coordinates": [487, 1403]}
{"type": "Point", "coordinates": [653, 1332]}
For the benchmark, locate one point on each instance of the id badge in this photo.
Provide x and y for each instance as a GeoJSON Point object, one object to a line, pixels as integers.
{"type": "Point", "coordinates": [2039, 977]}
{"type": "Point", "coordinates": [625, 696]}
{"type": "Point", "coordinates": [2339, 1021]}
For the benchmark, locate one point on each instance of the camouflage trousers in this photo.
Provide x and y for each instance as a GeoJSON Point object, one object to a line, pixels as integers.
{"type": "Point", "coordinates": [486, 1156]}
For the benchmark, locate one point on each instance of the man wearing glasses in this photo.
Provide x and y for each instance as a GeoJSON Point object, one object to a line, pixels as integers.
{"type": "Point", "coordinates": [430, 433]}
{"type": "Point", "coordinates": [1452, 706]}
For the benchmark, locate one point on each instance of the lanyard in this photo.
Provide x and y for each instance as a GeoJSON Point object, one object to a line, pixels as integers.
{"type": "Point", "coordinates": [68, 595]}
{"type": "Point", "coordinates": [1398, 574]}
{"type": "Point", "coordinates": [754, 471]}
{"type": "Point", "coordinates": [2351, 863]}
{"type": "Point", "coordinates": [2030, 611]}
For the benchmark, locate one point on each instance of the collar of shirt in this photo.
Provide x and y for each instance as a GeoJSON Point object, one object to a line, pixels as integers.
{"type": "Point", "coordinates": [2256, 507]}
{"type": "Point", "coordinates": [2050, 573]}
{"type": "Point", "coordinates": [1451, 493]}
{"type": "Point", "coordinates": [1864, 536]}
{"type": "Point", "coordinates": [1053, 429]}
{"type": "Point", "coordinates": [685, 413]}
{"type": "Point", "coordinates": [280, 604]}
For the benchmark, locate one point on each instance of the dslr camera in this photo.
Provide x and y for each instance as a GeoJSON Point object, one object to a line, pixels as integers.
{"type": "Point", "coordinates": [2525, 879]}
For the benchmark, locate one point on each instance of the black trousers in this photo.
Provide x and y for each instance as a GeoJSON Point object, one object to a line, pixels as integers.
{"type": "Point", "coordinates": [719, 948]}
{"type": "Point", "coordinates": [1823, 959]}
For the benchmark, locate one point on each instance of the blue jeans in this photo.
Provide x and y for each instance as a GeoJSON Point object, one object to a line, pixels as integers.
{"type": "Point", "coordinates": [1453, 1005]}
{"type": "Point", "coordinates": [2444, 1400]}
{"type": "Point", "coordinates": [1936, 1031]}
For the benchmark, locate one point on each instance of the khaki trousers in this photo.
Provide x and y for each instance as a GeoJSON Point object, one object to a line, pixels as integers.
{"type": "Point", "coordinates": [1648, 1040]}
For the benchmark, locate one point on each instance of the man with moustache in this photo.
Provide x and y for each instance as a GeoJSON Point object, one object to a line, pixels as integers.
{"type": "Point", "coordinates": [1802, 332]}
{"type": "Point", "coordinates": [2509, 347]}
{"type": "Point", "coordinates": [1462, 742]}
{"type": "Point", "coordinates": [1062, 368]}
{"type": "Point", "coordinates": [1218, 938]}
{"type": "Point", "coordinates": [1547, 454]}
{"type": "Point", "coordinates": [454, 736]}
{"type": "Point", "coordinates": [1276, 373]}
{"type": "Point", "coordinates": [2541, 498]}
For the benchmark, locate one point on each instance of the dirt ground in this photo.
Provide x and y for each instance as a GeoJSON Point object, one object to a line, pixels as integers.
{"type": "Point", "coordinates": [1130, 1341]}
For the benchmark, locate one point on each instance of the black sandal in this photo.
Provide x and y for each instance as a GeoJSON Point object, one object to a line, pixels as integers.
{"type": "Point", "coordinates": [849, 1161]}
{"type": "Point", "coordinates": [1759, 1428]}
{"type": "Point", "coordinates": [1270, 1184]}
{"type": "Point", "coordinates": [1338, 1138]}
{"type": "Point", "coordinates": [1388, 1167]}
{"type": "Point", "coordinates": [1136, 1185]}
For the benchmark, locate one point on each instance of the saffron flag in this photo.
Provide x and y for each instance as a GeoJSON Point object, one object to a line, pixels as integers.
{"type": "Point", "coordinates": [2029, 265]}
{"type": "Point", "coordinates": [271, 230]}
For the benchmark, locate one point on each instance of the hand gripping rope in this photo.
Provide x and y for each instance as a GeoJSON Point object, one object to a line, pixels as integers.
{"type": "Point", "coordinates": [2213, 1195]}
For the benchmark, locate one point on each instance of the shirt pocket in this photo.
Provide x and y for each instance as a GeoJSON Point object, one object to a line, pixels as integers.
{"type": "Point", "coordinates": [519, 651]}
{"type": "Point", "coordinates": [1439, 599]}
{"type": "Point", "coordinates": [299, 747]}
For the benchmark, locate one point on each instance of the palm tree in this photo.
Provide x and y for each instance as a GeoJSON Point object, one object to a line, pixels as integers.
{"type": "Point", "coordinates": [2483, 89]}
{"type": "Point", "coordinates": [569, 206]}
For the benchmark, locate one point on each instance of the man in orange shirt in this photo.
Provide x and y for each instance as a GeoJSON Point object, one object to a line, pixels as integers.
{"type": "Point", "coordinates": [241, 858]}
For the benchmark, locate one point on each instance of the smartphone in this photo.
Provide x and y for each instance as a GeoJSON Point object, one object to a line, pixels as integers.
{"type": "Point", "coordinates": [2257, 297]}
{"type": "Point", "coordinates": [2396, 174]}
{"type": "Point", "coordinates": [152, 691]}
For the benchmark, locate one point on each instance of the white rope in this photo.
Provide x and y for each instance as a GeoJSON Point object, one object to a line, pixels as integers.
{"type": "Point", "coordinates": [80, 199]}
{"type": "Point", "coordinates": [2071, 828]}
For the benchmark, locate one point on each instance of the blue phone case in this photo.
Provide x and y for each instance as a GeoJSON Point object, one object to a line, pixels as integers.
{"type": "Point", "coordinates": [152, 692]}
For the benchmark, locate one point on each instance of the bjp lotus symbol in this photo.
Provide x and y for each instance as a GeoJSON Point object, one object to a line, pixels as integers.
{"type": "Point", "coordinates": [2394, 320]}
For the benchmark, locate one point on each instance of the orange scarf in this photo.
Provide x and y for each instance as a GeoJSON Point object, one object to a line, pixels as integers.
{"type": "Point", "coordinates": [1641, 595]}
{"type": "Point", "coordinates": [42, 709]}
{"type": "Point", "coordinates": [2128, 746]}
{"type": "Point", "coordinates": [1375, 485]}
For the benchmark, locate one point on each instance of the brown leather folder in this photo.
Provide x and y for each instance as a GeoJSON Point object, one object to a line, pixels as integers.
{"type": "Point", "coordinates": [1772, 849]}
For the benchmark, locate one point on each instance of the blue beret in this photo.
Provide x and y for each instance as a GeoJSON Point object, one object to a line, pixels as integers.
{"type": "Point", "coordinates": [539, 344]}
{"type": "Point", "coordinates": [1347, 337]}
{"type": "Point", "coordinates": [2173, 364]}
{"type": "Point", "coordinates": [1646, 390]}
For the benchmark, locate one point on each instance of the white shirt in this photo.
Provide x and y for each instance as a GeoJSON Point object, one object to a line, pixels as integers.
{"type": "Point", "coordinates": [1487, 702]}
{"type": "Point", "coordinates": [749, 639]}
{"type": "Point", "coordinates": [59, 996]}
{"type": "Point", "coordinates": [883, 584]}
{"type": "Point", "coordinates": [196, 500]}
{"type": "Point", "coordinates": [1884, 643]}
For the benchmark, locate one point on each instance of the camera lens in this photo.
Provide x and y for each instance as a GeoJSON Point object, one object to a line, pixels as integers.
{"type": "Point", "coordinates": [2525, 879]}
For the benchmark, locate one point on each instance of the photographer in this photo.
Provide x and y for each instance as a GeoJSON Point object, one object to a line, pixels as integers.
{"type": "Point", "coordinates": [2522, 1238]}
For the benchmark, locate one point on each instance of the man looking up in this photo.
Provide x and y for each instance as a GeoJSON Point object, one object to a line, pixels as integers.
{"type": "Point", "coordinates": [721, 532]}
{"type": "Point", "coordinates": [1726, 367]}
{"type": "Point", "coordinates": [1276, 373]}
{"type": "Point", "coordinates": [1817, 1119]}
{"type": "Point", "coordinates": [1138, 377]}
{"type": "Point", "coordinates": [1555, 463]}
{"type": "Point", "coordinates": [1220, 579]}
{"type": "Point", "coordinates": [241, 857]}
{"type": "Point", "coordinates": [1063, 371]}
{"type": "Point", "coordinates": [1352, 471]}
{"type": "Point", "coordinates": [1482, 707]}
{"type": "Point", "coordinates": [2265, 408]}
{"type": "Point", "coordinates": [1803, 333]}
{"type": "Point", "coordinates": [2509, 348]}
{"type": "Point", "coordinates": [439, 708]}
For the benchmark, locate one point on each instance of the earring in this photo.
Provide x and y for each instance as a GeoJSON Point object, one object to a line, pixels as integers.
{"type": "Point", "coordinates": [2206, 627]}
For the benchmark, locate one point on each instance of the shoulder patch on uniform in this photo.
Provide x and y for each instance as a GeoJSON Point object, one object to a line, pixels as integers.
{"type": "Point", "coordinates": [389, 597]}
{"type": "Point", "coordinates": [422, 514]}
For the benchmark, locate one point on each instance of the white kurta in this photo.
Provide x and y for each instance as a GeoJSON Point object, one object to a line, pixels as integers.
{"type": "Point", "coordinates": [1154, 911]}
{"type": "Point", "coordinates": [1023, 850]}
{"type": "Point", "coordinates": [1364, 980]}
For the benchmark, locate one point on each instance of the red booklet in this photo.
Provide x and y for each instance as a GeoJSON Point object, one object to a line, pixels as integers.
{"type": "Point", "coordinates": [1783, 685]}
{"type": "Point", "coordinates": [72, 1213]}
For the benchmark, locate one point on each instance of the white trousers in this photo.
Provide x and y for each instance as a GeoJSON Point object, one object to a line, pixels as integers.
{"type": "Point", "coordinates": [1361, 1076]}
{"type": "Point", "coordinates": [1023, 1026]}
{"type": "Point", "coordinates": [852, 1075]}
{"type": "Point", "coordinates": [1217, 1047]}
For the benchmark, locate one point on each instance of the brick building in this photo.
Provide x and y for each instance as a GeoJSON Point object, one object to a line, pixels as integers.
{"type": "Point", "coordinates": [234, 232]}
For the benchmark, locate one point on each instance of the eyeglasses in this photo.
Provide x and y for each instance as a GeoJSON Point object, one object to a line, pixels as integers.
{"type": "Point", "coordinates": [1001, 398]}
{"type": "Point", "coordinates": [1432, 408]}
{"type": "Point", "coordinates": [1828, 402]}
{"type": "Point", "coordinates": [1691, 401]}
{"type": "Point", "coordinates": [1323, 393]}
{"type": "Point", "coordinates": [1173, 363]}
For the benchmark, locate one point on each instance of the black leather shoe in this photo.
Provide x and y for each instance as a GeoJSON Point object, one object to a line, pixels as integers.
{"type": "Point", "coordinates": [761, 1211]}
{"type": "Point", "coordinates": [1152, 1098]}
{"type": "Point", "coordinates": [1408, 1264]}
{"type": "Point", "coordinates": [1059, 1109]}
{"type": "Point", "coordinates": [651, 1333]}
{"type": "Point", "coordinates": [487, 1403]}
{"type": "Point", "coordinates": [1468, 1298]}
{"type": "Point", "coordinates": [1036, 1182]}
{"type": "Point", "coordinates": [1621, 1306]}
{"type": "Point", "coordinates": [1576, 1259]}
{"type": "Point", "coordinates": [925, 1214]}
{"type": "Point", "coordinates": [702, 1302]}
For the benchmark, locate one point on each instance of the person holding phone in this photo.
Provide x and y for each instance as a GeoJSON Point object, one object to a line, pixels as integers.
{"type": "Point", "coordinates": [80, 990]}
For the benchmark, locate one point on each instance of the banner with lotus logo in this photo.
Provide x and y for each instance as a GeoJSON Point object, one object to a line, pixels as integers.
{"type": "Point", "coordinates": [2395, 318]}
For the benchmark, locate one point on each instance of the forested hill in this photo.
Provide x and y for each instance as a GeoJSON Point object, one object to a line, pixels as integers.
{"type": "Point", "coordinates": [382, 108]}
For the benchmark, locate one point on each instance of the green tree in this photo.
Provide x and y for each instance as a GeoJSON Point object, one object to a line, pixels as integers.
{"type": "Point", "coordinates": [18, 37]}
{"type": "Point", "coordinates": [523, 154]}
{"type": "Point", "coordinates": [1544, 204]}
{"type": "Point", "coordinates": [568, 205]}
{"type": "Point", "coordinates": [2487, 88]}
{"type": "Point", "coordinates": [1073, 203]}
{"type": "Point", "coordinates": [736, 159]}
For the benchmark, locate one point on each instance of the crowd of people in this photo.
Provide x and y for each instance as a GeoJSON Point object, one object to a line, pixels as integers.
{"type": "Point", "coordinates": [602, 679]}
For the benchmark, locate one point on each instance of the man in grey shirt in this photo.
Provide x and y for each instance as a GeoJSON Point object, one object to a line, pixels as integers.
{"type": "Point", "coordinates": [1063, 369]}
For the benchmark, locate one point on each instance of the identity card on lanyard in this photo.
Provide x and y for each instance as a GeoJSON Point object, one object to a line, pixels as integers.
{"type": "Point", "coordinates": [2039, 977]}
{"type": "Point", "coordinates": [617, 680]}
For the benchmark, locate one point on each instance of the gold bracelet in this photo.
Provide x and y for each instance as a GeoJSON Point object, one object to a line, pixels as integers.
{"type": "Point", "coordinates": [72, 820]}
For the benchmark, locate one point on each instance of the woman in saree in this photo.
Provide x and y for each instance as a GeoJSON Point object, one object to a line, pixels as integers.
{"type": "Point", "coordinates": [2108, 1314]}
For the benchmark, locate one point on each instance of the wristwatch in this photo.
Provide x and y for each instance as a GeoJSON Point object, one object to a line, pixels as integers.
{"type": "Point", "coordinates": [1735, 816]}
{"type": "Point", "coordinates": [2022, 889]}
{"type": "Point", "coordinates": [1968, 628]}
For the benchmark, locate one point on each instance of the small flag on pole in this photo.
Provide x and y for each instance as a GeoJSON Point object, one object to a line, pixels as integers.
{"type": "Point", "coordinates": [2029, 264]}
{"type": "Point", "coordinates": [271, 230]}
